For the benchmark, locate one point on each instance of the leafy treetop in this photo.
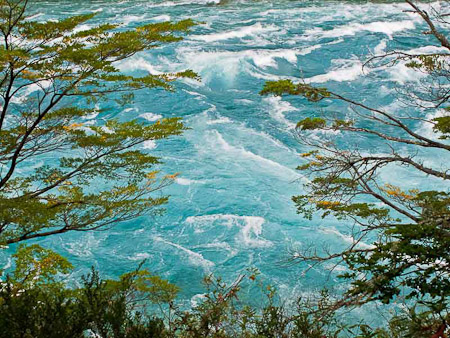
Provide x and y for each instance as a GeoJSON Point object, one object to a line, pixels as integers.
{"type": "Point", "coordinates": [408, 229]}
{"type": "Point", "coordinates": [50, 75]}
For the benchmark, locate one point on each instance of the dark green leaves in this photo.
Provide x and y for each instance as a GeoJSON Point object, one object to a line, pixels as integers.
{"type": "Point", "coordinates": [99, 173]}
{"type": "Point", "coordinates": [442, 126]}
{"type": "Point", "coordinates": [311, 123]}
{"type": "Point", "coordinates": [287, 87]}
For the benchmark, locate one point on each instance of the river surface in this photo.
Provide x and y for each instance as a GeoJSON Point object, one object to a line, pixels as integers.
{"type": "Point", "coordinates": [230, 208]}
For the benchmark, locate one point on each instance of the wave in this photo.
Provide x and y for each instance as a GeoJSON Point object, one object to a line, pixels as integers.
{"type": "Point", "coordinates": [140, 256]}
{"type": "Point", "coordinates": [426, 129]}
{"type": "Point", "coordinates": [184, 3]}
{"type": "Point", "coordinates": [266, 58]}
{"type": "Point", "coordinates": [402, 74]}
{"type": "Point", "coordinates": [383, 27]}
{"type": "Point", "coordinates": [81, 28]}
{"type": "Point", "coordinates": [34, 16]}
{"type": "Point", "coordinates": [151, 117]}
{"type": "Point", "coordinates": [220, 120]}
{"type": "Point", "coordinates": [231, 62]}
{"type": "Point", "coordinates": [197, 95]}
{"type": "Point", "coordinates": [137, 63]}
{"type": "Point", "coordinates": [248, 31]}
{"type": "Point", "coordinates": [8, 263]}
{"type": "Point", "coordinates": [427, 50]}
{"type": "Point", "coordinates": [194, 257]}
{"type": "Point", "coordinates": [149, 144]}
{"type": "Point", "coordinates": [251, 227]}
{"type": "Point", "coordinates": [347, 73]}
{"type": "Point", "coordinates": [220, 246]}
{"type": "Point", "coordinates": [125, 20]}
{"type": "Point", "coordinates": [187, 181]}
{"type": "Point", "coordinates": [267, 137]}
{"type": "Point", "coordinates": [380, 48]}
{"type": "Point", "coordinates": [266, 164]}
{"type": "Point", "coordinates": [82, 247]}
{"type": "Point", "coordinates": [163, 17]}
{"type": "Point", "coordinates": [227, 65]}
{"type": "Point", "coordinates": [251, 232]}
{"type": "Point", "coordinates": [230, 220]}
{"type": "Point", "coordinates": [277, 108]}
{"type": "Point", "coordinates": [24, 93]}
{"type": "Point", "coordinates": [197, 299]}
{"type": "Point", "coordinates": [346, 238]}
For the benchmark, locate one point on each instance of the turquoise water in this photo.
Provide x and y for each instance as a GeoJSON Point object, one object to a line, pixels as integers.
{"type": "Point", "coordinates": [231, 207]}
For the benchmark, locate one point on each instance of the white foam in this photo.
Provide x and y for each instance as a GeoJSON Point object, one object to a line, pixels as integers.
{"type": "Point", "coordinates": [183, 181]}
{"type": "Point", "coordinates": [8, 263]}
{"type": "Point", "coordinates": [107, 130]}
{"type": "Point", "coordinates": [207, 63]}
{"type": "Point", "coordinates": [139, 256]}
{"type": "Point", "coordinates": [125, 20]}
{"type": "Point", "coordinates": [261, 134]}
{"type": "Point", "coordinates": [426, 129]}
{"type": "Point", "coordinates": [251, 232]}
{"type": "Point", "coordinates": [243, 101]}
{"type": "Point", "coordinates": [198, 95]}
{"type": "Point", "coordinates": [161, 18]}
{"type": "Point", "coordinates": [252, 31]}
{"type": "Point", "coordinates": [389, 28]}
{"type": "Point", "coordinates": [187, 181]}
{"type": "Point", "coordinates": [385, 27]}
{"type": "Point", "coordinates": [82, 247]}
{"type": "Point", "coordinates": [346, 238]}
{"type": "Point", "coordinates": [334, 267]}
{"type": "Point", "coordinates": [81, 28]}
{"type": "Point", "coordinates": [220, 120]}
{"type": "Point", "coordinates": [229, 219]}
{"type": "Point", "coordinates": [24, 93]}
{"type": "Point", "coordinates": [402, 74]}
{"type": "Point", "coordinates": [428, 50]}
{"type": "Point", "coordinates": [219, 246]}
{"type": "Point", "coordinates": [349, 72]}
{"type": "Point", "coordinates": [264, 59]}
{"type": "Point", "coordinates": [264, 163]}
{"type": "Point", "coordinates": [277, 109]}
{"type": "Point", "coordinates": [194, 257]}
{"type": "Point", "coordinates": [183, 3]}
{"type": "Point", "coordinates": [34, 16]}
{"type": "Point", "coordinates": [251, 227]}
{"type": "Point", "coordinates": [136, 63]}
{"type": "Point", "coordinates": [149, 144]}
{"type": "Point", "coordinates": [380, 48]}
{"type": "Point", "coordinates": [92, 115]}
{"type": "Point", "coordinates": [196, 299]}
{"type": "Point", "coordinates": [151, 117]}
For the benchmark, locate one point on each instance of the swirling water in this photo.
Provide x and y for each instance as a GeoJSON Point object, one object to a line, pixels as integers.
{"type": "Point", "coordinates": [231, 207]}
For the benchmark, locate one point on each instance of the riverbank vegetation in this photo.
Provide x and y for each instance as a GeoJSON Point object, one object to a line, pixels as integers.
{"type": "Point", "coordinates": [51, 77]}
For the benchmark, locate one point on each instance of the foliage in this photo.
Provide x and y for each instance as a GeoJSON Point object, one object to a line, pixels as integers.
{"type": "Point", "coordinates": [443, 126]}
{"type": "Point", "coordinates": [407, 228]}
{"type": "Point", "coordinates": [125, 308]}
{"type": "Point", "coordinates": [288, 87]}
{"type": "Point", "coordinates": [105, 308]}
{"type": "Point", "coordinates": [311, 123]}
{"type": "Point", "coordinates": [48, 70]}
{"type": "Point", "coordinates": [37, 266]}
{"type": "Point", "coordinates": [51, 74]}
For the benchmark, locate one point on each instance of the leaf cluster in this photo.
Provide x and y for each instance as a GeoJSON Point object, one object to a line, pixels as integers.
{"type": "Point", "coordinates": [51, 74]}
